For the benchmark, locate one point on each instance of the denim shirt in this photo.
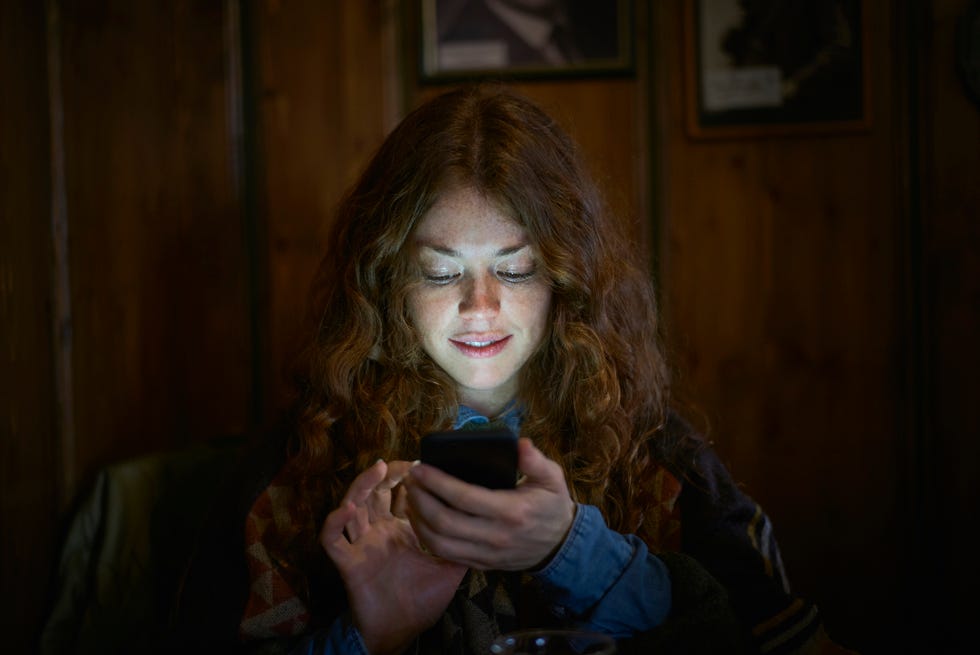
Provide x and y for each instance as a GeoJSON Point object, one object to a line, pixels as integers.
{"type": "Point", "coordinates": [627, 589]}
{"type": "Point", "coordinates": [469, 418]}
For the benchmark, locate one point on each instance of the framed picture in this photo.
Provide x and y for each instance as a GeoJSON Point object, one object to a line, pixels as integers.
{"type": "Point", "coordinates": [467, 39]}
{"type": "Point", "coordinates": [776, 67]}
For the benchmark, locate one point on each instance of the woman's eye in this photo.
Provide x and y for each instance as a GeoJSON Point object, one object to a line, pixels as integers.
{"type": "Point", "coordinates": [441, 278]}
{"type": "Point", "coordinates": [515, 276]}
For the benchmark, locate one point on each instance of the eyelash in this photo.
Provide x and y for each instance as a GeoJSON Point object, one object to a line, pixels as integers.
{"type": "Point", "coordinates": [442, 280]}
{"type": "Point", "coordinates": [506, 276]}
{"type": "Point", "coordinates": [513, 277]}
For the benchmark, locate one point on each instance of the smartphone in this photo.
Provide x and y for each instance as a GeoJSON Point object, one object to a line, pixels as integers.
{"type": "Point", "coordinates": [484, 457]}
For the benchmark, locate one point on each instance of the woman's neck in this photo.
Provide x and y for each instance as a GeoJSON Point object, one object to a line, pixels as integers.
{"type": "Point", "coordinates": [489, 407]}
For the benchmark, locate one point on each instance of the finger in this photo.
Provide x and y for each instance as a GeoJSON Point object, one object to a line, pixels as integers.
{"type": "Point", "coordinates": [358, 524]}
{"type": "Point", "coordinates": [469, 498]}
{"type": "Point", "coordinates": [332, 537]}
{"type": "Point", "coordinates": [431, 516]}
{"type": "Point", "coordinates": [380, 500]}
{"type": "Point", "coordinates": [399, 506]}
{"type": "Point", "coordinates": [397, 470]}
{"type": "Point", "coordinates": [379, 503]}
{"type": "Point", "coordinates": [456, 551]}
{"type": "Point", "coordinates": [362, 486]}
{"type": "Point", "coordinates": [509, 542]}
{"type": "Point", "coordinates": [537, 468]}
{"type": "Point", "coordinates": [437, 542]}
{"type": "Point", "coordinates": [359, 494]}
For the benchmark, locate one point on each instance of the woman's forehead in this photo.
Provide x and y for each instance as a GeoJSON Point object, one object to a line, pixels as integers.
{"type": "Point", "coordinates": [465, 214]}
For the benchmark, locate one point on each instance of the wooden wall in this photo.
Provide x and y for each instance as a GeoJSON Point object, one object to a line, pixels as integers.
{"type": "Point", "coordinates": [169, 169]}
{"type": "Point", "coordinates": [30, 490]}
{"type": "Point", "coordinates": [784, 260]}
{"type": "Point", "coordinates": [946, 276]}
{"type": "Point", "coordinates": [326, 94]}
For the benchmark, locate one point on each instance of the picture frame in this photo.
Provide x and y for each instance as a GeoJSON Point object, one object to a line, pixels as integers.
{"type": "Point", "coordinates": [474, 39]}
{"type": "Point", "coordinates": [776, 68]}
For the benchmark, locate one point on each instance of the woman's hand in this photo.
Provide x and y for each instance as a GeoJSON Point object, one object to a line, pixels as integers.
{"type": "Point", "coordinates": [395, 589]}
{"type": "Point", "coordinates": [509, 530]}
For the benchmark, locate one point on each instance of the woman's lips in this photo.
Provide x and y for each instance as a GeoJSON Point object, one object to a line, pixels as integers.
{"type": "Point", "coordinates": [478, 348]}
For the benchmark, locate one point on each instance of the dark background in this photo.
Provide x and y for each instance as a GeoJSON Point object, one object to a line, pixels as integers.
{"type": "Point", "coordinates": [169, 168]}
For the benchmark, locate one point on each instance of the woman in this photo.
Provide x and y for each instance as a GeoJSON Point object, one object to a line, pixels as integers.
{"type": "Point", "coordinates": [473, 277]}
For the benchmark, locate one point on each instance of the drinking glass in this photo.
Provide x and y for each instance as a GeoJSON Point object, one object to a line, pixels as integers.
{"type": "Point", "coordinates": [553, 642]}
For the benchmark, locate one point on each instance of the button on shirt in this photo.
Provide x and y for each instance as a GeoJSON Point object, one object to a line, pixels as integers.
{"type": "Point", "coordinates": [627, 589]}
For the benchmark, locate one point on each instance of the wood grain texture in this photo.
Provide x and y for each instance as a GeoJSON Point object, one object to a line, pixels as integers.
{"type": "Point", "coordinates": [783, 260]}
{"type": "Point", "coordinates": [950, 310]}
{"type": "Point", "coordinates": [157, 257]}
{"type": "Point", "coordinates": [324, 105]}
{"type": "Point", "coordinates": [29, 454]}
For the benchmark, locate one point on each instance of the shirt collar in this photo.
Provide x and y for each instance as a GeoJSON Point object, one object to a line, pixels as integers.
{"type": "Point", "coordinates": [512, 416]}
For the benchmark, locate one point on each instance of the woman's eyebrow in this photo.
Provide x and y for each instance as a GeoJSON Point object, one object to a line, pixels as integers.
{"type": "Point", "coordinates": [450, 252]}
{"type": "Point", "coordinates": [443, 250]}
{"type": "Point", "coordinates": [503, 252]}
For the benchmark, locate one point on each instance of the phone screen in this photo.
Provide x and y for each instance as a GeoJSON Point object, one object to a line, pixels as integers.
{"type": "Point", "coordinates": [484, 457]}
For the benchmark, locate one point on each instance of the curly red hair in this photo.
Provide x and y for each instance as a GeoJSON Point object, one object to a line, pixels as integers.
{"type": "Point", "coordinates": [594, 393]}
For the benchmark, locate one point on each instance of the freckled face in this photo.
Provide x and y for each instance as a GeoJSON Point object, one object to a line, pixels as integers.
{"type": "Point", "coordinates": [481, 307]}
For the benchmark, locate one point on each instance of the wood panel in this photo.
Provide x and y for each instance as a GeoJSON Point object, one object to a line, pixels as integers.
{"type": "Point", "coordinates": [608, 119]}
{"type": "Point", "coordinates": [29, 464]}
{"type": "Point", "coordinates": [325, 104]}
{"type": "Point", "coordinates": [781, 265]}
{"type": "Point", "coordinates": [950, 319]}
{"type": "Point", "coordinates": [157, 259]}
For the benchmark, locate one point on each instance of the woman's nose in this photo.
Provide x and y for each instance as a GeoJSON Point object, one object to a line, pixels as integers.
{"type": "Point", "coordinates": [480, 297]}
